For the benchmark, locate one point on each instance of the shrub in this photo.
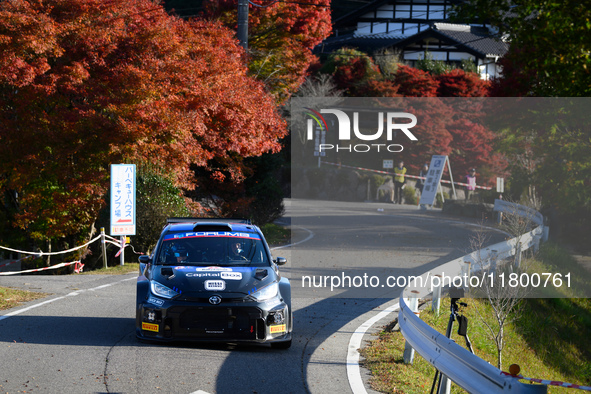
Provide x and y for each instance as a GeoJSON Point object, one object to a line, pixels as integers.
{"type": "Point", "coordinates": [439, 200]}
{"type": "Point", "coordinates": [410, 196]}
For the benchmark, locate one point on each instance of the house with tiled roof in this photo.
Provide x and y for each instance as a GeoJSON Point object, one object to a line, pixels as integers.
{"type": "Point", "coordinates": [414, 27]}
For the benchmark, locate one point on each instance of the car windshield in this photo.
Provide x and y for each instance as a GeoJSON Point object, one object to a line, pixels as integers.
{"type": "Point", "coordinates": [212, 249]}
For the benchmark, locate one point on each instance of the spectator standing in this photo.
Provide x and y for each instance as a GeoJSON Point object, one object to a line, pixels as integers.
{"type": "Point", "coordinates": [422, 174]}
{"type": "Point", "coordinates": [471, 181]}
{"type": "Point", "coordinates": [399, 179]}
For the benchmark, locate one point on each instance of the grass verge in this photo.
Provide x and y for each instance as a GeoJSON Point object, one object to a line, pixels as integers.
{"type": "Point", "coordinates": [549, 340]}
{"type": "Point", "coordinates": [115, 270]}
{"type": "Point", "coordinates": [10, 298]}
{"type": "Point", "coordinates": [276, 235]}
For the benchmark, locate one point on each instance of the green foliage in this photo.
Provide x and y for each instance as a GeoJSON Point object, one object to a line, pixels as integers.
{"type": "Point", "coordinates": [157, 200]}
{"type": "Point", "coordinates": [388, 61]}
{"type": "Point", "coordinates": [375, 181]}
{"type": "Point", "coordinates": [550, 51]}
{"type": "Point", "coordinates": [469, 66]}
{"type": "Point", "coordinates": [439, 199]}
{"type": "Point", "coordinates": [548, 146]}
{"type": "Point", "coordinates": [265, 190]}
{"type": "Point", "coordinates": [435, 67]}
{"type": "Point", "coordinates": [550, 340]}
{"type": "Point", "coordinates": [275, 234]}
{"type": "Point", "coordinates": [410, 196]}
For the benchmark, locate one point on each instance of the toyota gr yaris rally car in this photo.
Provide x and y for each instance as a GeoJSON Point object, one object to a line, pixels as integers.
{"type": "Point", "coordinates": [213, 281]}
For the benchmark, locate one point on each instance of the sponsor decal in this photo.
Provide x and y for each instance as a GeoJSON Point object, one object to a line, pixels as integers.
{"type": "Point", "coordinates": [211, 234]}
{"type": "Point", "coordinates": [215, 285]}
{"type": "Point", "coordinates": [203, 275]}
{"type": "Point", "coordinates": [155, 301]}
{"type": "Point", "coordinates": [214, 268]}
{"type": "Point", "coordinates": [231, 275]}
{"type": "Point", "coordinates": [149, 327]}
{"type": "Point", "coordinates": [278, 329]}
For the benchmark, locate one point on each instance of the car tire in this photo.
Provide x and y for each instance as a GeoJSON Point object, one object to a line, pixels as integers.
{"type": "Point", "coordinates": [281, 345]}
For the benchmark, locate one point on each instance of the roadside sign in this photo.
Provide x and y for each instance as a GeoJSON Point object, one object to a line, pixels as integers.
{"type": "Point", "coordinates": [433, 179]}
{"type": "Point", "coordinates": [388, 164]}
{"type": "Point", "coordinates": [500, 185]}
{"type": "Point", "coordinates": [123, 190]}
{"type": "Point", "coordinates": [319, 139]}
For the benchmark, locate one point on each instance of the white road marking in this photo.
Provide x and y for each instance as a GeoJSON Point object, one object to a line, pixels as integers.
{"type": "Point", "coordinates": [74, 293]}
{"type": "Point", "coordinates": [353, 368]}
{"type": "Point", "coordinates": [309, 237]}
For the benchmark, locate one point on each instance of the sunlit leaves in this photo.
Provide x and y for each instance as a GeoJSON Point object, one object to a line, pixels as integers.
{"type": "Point", "coordinates": [281, 38]}
{"type": "Point", "coordinates": [84, 84]}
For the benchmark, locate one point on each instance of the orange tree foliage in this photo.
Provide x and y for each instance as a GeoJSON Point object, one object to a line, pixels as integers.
{"type": "Point", "coordinates": [87, 83]}
{"type": "Point", "coordinates": [450, 127]}
{"type": "Point", "coordinates": [281, 36]}
{"type": "Point", "coordinates": [458, 83]}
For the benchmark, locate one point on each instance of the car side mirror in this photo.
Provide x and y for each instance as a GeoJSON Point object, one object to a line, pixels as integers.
{"type": "Point", "coordinates": [280, 260]}
{"type": "Point", "coordinates": [144, 261]}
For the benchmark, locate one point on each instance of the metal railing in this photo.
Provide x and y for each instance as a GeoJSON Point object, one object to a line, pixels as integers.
{"type": "Point", "coordinates": [456, 363]}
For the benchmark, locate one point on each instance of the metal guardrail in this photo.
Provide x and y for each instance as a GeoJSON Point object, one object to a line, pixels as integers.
{"type": "Point", "coordinates": [464, 368]}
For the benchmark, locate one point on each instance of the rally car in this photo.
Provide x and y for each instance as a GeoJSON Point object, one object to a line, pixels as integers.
{"type": "Point", "coordinates": [213, 280]}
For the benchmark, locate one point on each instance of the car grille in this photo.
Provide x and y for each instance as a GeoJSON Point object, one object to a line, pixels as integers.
{"type": "Point", "coordinates": [217, 322]}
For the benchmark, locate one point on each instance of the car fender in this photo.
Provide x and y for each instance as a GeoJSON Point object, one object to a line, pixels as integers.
{"type": "Point", "coordinates": [143, 288]}
{"type": "Point", "coordinates": [285, 290]}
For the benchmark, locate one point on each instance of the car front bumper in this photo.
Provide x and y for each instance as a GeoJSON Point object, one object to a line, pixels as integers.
{"type": "Point", "coordinates": [258, 322]}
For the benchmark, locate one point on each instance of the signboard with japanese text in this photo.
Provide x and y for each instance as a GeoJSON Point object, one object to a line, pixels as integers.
{"type": "Point", "coordinates": [123, 190]}
{"type": "Point", "coordinates": [319, 140]}
{"type": "Point", "coordinates": [432, 180]}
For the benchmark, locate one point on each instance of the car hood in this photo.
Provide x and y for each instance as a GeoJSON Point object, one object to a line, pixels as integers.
{"type": "Point", "coordinates": [191, 281]}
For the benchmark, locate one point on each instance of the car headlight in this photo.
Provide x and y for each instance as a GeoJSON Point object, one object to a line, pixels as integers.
{"type": "Point", "coordinates": [266, 292]}
{"type": "Point", "coordinates": [162, 291]}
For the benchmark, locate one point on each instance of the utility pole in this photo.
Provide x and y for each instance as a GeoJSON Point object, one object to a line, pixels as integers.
{"type": "Point", "coordinates": [243, 23]}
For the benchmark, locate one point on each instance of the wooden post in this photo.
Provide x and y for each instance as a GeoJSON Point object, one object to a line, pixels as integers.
{"type": "Point", "coordinates": [104, 245]}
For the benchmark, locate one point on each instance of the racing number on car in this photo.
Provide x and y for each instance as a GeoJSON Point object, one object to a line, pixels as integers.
{"type": "Point", "coordinates": [215, 285]}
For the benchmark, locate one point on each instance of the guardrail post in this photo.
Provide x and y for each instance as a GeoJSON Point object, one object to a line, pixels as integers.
{"type": "Point", "coordinates": [518, 254]}
{"type": "Point", "coordinates": [413, 305]}
{"type": "Point", "coordinates": [546, 233]}
{"type": "Point", "coordinates": [445, 387]}
{"type": "Point", "coordinates": [436, 302]}
{"type": "Point", "coordinates": [466, 269]}
{"type": "Point", "coordinates": [104, 246]}
{"type": "Point", "coordinates": [492, 258]}
{"type": "Point", "coordinates": [536, 243]}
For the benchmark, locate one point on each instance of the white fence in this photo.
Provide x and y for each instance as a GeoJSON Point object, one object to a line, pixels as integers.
{"type": "Point", "coordinates": [462, 367]}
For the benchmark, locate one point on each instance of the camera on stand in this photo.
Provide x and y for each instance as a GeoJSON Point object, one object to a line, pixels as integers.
{"type": "Point", "coordinates": [456, 294]}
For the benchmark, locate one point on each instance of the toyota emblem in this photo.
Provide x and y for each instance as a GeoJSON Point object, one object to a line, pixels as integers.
{"type": "Point", "coordinates": [215, 300]}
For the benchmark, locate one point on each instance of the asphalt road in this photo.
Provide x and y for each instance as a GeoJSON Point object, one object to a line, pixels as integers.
{"type": "Point", "coordinates": [80, 338]}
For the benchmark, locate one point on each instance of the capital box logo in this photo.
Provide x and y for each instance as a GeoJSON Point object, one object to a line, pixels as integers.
{"type": "Point", "coordinates": [395, 121]}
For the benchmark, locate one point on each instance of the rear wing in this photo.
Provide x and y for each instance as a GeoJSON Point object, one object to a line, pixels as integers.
{"type": "Point", "coordinates": [207, 220]}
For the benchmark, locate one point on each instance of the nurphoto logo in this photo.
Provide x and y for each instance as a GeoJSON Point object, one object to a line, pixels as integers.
{"type": "Point", "coordinates": [346, 129]}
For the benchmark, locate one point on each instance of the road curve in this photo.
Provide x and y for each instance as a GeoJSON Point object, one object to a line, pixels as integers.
{"type": "Point", "coordinates": [80, 339]}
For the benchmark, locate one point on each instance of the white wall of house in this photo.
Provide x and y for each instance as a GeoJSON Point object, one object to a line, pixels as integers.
{"type": "Point", "coordinates": [420, 10]}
